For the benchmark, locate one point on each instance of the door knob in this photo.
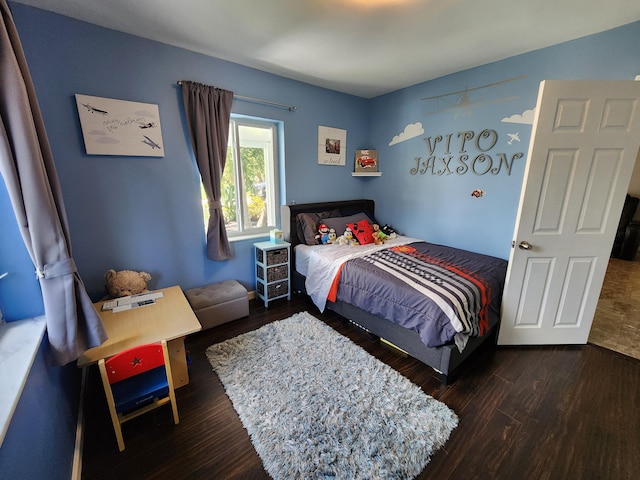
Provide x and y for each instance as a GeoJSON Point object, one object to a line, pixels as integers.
{"type": "Point", "coordinates": [524, 245]}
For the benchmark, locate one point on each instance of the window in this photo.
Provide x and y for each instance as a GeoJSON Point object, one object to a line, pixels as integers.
{"type": "Point", "coordinates": [250, 178]}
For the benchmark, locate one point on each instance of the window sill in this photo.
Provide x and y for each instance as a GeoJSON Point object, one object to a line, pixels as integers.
{"type": "Point", "coordinates": [19, 343]}
{"type": "Point", "coordinates": [252, 236]}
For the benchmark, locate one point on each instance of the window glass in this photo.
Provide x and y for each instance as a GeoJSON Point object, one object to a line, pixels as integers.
{"type": "Point", "coordinates": [249, 182]}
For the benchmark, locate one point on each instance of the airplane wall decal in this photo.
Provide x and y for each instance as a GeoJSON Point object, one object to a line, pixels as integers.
{"type": "Point", "coordinates": [512, 137]}
{"type": "Point", "coordinates": [468, 99]}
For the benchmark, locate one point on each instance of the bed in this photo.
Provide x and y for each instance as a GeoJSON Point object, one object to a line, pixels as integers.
{"type": "Point", "coordinates": [435, 347]}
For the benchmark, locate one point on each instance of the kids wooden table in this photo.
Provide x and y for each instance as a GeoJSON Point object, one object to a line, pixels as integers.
{"type": "Point", "coordinates": [170, 318]}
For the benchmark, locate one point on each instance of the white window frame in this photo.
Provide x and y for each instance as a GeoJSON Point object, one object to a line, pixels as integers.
{"type": "Point", "coordinates": [272, 179]}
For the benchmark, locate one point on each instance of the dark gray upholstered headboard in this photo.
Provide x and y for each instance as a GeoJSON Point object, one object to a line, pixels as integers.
{"type": "Point", "coordinates": [346, 207]}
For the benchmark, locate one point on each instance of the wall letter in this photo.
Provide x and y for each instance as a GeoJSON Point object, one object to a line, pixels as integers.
{"type": "Point", "coordinates": [468, 135]}
{"type": "Point", "coordinates": [463, 168]}
{"type": "Point", "coordinates": [481, 159]}
{"type": "Point", "coordinates": [507, 164]}
{"type": "Point", "coordinates": [432, 147]}
{"type": "Point", "coordinates": [485, 134]}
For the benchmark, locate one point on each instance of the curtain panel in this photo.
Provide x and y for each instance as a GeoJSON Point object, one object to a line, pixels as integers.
{"type": "Point", "coordinates": [28, 169]}
{"type": "Point", "coordinates": [208, 110]}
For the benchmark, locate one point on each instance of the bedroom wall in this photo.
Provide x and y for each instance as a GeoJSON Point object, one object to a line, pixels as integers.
{"type": "Point", "coordinates": [438, 205]}
{"type": "Point", "coordinates": [144, 213]}
{"type": "Point", "coordinates": [134, 212]}
{"type": "Point", "coordinates": [40, 440]}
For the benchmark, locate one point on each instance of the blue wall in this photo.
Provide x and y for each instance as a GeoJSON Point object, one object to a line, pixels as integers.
{"type": "Point", "coordinates": [144, 213]}
{"type": "Point", "coordinates": [440, 208]}
{"type": "Point", "coordinates": [41, 437]}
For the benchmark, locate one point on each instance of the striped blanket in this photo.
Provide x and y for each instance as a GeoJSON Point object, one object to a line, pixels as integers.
{"type": "Point", "coordinates": [443, 293]}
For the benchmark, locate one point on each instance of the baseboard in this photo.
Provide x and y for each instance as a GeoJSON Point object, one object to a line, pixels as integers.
{"type": "Point", "coordinates": [251, 295]}
{"type": "Point", "coordinates": [76, 472]}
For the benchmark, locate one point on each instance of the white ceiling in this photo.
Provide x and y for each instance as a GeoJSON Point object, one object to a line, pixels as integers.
{"type": "Point", "coordinates": [362, 47]}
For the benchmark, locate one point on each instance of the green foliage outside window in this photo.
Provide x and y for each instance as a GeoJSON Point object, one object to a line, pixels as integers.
{"type": "Point", "coordinates": [253, 173]}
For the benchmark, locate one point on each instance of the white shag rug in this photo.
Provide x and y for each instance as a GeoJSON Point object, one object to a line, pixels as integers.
{"type": "Point", "coordinates": [318, 406]}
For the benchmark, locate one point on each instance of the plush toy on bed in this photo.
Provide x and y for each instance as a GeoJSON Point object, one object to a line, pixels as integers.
{"type": "Point", "coordinates": [323, 234]}
{"type": "Point", "coordinates": [379, 236]}
{"type": "Point", "coordinates": [389, 231]}
{"type": "Point", "coordinates": [126, 282]}
{"type": "Point", "coordinates": [332, 236]}
{"type": "Point", "coordinates": [346, 238]}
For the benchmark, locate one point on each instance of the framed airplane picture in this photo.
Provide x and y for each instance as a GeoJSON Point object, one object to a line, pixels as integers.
{"type": "Point", "coordinates": [119, 127]}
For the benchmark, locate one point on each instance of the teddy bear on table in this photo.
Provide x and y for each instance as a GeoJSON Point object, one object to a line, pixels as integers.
{"type": "Point", "coordinates": [126, 282]}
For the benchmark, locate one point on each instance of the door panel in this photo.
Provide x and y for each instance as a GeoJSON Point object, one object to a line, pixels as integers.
{"type": "Point", "coordinates": [583, 149]}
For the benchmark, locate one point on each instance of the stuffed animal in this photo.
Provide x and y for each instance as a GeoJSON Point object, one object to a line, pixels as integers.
{"type": "Point", "coordinates": [389, 231]}
{"type": "Point", "coordinates": [126, 282]}
{"type": "Point", "coordinates": [379, 236]}
{"type": "Point", "coordinates": [332, 236]}
{"type": "Point", "coordinates": [323, 234]}
{"type": "Point", "coordinates": [346, 238]}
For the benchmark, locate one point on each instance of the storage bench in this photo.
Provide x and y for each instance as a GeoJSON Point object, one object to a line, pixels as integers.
{"type": "Point", "coordinates": [218, 303]}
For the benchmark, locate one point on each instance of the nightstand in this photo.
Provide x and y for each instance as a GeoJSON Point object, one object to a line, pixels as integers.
{"type": "Point", "coordinates": [272, 271]}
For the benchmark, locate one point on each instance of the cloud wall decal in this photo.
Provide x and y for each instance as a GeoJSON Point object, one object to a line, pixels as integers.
{"type": "Point", "coordinates": [525, 117]}
{"type": "Point", "coordinates": [410, 131]}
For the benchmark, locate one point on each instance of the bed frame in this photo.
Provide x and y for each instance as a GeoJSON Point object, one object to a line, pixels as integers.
{"type": "Point", "coordinates": [446, 360]}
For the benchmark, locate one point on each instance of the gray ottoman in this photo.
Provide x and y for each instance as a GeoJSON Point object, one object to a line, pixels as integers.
{"type": "Point", "coordinates": [218, 303]}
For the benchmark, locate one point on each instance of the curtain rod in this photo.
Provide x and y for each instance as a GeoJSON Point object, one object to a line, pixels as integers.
{"type": "Point", "coordinates": [291, 108]}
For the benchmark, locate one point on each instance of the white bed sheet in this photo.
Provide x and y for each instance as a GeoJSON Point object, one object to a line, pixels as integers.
{"type": "Point", "coordinates": [320, 263]}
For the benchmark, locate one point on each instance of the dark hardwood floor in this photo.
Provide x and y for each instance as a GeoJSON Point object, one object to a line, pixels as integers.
{"type": "Point", "coordinates": [525, 413]}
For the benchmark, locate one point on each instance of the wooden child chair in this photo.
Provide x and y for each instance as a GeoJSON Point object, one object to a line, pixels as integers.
{"type": "Point", "coordinates": [136, 381]}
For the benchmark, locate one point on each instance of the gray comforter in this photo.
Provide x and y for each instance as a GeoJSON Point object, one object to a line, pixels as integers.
{"type": "Point", "coordinates": [441, 292]}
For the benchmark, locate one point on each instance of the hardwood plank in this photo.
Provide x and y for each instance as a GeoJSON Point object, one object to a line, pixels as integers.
{"type": "Point", "coordinates": [526, 413]}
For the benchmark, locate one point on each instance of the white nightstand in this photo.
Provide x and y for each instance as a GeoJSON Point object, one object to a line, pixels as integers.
{"type": "Point", "coordinates": [272, 270]}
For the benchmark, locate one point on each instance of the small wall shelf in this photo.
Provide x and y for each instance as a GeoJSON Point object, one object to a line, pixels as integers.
{"type": "Point", "coordinates": [366, 174]}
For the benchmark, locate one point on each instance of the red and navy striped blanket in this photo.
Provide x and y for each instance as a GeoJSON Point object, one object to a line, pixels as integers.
{"type": "Point", "coordinates": [443, 293]}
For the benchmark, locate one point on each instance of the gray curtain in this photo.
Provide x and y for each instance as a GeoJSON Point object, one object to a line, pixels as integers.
{"type": "Point", "coordinates": [208, 110]}
{"type": "Point", "coordinates": [28, 169]}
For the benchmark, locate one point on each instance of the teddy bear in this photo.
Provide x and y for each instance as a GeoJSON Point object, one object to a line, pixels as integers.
{"type": "Point", "coordinates": [126, 282]}
{"type": "Point", "coordinates": [379, 237]}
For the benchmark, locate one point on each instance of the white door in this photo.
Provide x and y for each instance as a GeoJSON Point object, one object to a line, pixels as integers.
{"type": "Point", "coordinates": [584, 144]}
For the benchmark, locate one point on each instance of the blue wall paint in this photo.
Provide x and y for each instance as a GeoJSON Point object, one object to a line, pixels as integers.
{"type": "Point", "coordinates": [140, 213]}
{"type": "Point", "coordinates": [440, 208]}
{"type": "Point", "coordinates": [20, 295]}
{"type": "Point", "coordinates": [41, 437]}
{"type": "Point", "coordinates": [144, 213]}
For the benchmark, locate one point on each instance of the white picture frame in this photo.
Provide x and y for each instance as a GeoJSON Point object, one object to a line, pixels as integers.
{"type": "Point", "coordinates": [119, 127]}
{"type": "Point", "coordinates": [332, 146]}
